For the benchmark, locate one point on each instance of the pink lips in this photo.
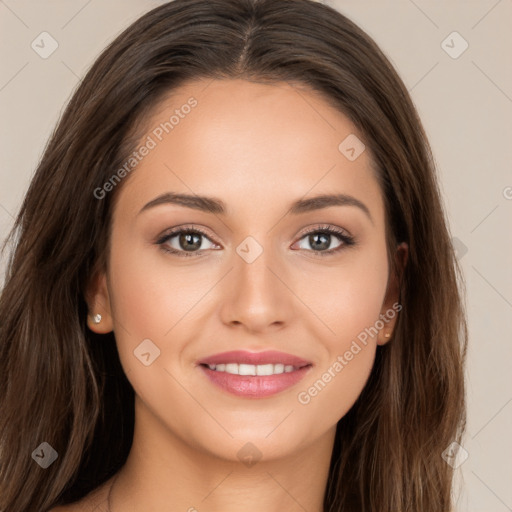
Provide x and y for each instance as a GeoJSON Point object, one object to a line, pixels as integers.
{"type": "Point", "coordinates": [244, 357]}
{"type": "Point", "coordinates": [255, 386]}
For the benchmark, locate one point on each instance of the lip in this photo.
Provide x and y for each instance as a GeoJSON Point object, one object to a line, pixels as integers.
{"type": "Point", "coordinates": [255, 386]}
{"type": "Point", "coordinates": [245, 357]}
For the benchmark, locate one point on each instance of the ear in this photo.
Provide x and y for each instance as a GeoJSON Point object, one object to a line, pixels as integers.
{"type": "Point", "coordinates": [389, 314]}
{"type": "Point", "coordinates": [98, 301]}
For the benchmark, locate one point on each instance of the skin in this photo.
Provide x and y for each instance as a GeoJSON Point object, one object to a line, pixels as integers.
{"type": "Point", "coordinates": [258, 148]}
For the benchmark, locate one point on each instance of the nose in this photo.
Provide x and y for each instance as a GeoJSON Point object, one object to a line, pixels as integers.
{"type": "Point", "coordinates": [257, 296]}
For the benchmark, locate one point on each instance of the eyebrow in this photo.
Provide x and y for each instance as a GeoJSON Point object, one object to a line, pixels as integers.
{"type": "Point", "coordinates": [218, 207]}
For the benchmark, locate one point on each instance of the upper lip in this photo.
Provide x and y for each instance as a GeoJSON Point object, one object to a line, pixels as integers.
{"type": "Point", "coordinates": [256, 358]}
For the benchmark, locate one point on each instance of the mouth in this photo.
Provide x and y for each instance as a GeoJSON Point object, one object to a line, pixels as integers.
{"type": "Point", "coordinates": [252, 369]}
{"type": "Point", "coordinates": [254, 374]}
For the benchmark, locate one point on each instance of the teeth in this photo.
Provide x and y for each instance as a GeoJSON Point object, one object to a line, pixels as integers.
{"type": "Point", "coordinates": [231, 368]}
{"type": "Point", "coordinates": [252, 369]}
{"type": "Point", "coordinates": [243, 369]}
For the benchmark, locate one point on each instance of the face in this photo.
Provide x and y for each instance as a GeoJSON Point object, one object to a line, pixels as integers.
{"type": "Point", "coordinates": [262, 268]}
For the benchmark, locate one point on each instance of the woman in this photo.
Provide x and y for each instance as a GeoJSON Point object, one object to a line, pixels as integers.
{"type": "Point", "coordinates": [233, 284]}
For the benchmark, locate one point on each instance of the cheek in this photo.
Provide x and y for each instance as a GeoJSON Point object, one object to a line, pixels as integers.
{"type": "Point", "coordinates": [153, 301]}
{"type": "Point", "coordinates": [349, 305]}
{"type": "Point", "coordinates": [346, 297]}
{"type": "Point", "coordinates": [335, 387]}
{"type": "Point", "coordinates": [149, 296]}
{"type": "Point", "coordinates": [348, 348]}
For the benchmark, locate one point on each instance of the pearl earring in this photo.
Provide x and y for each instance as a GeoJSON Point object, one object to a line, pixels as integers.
{"type": "Point", "coordinates": [387, 335]}
{"type": "Point", "coordinates": [96, 318]}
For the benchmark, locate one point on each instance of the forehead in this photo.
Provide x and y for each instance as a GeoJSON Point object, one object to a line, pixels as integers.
{"type": "Point", "coordinates": [250, 143]}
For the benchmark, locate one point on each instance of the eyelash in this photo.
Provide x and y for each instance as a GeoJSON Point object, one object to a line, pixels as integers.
{"type": "Point", "coordinates": [341, 234]}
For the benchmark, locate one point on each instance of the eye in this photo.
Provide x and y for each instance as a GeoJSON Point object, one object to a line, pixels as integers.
{"type": "Point", "coordinates": [321, 237]}
{"type": "Point", "coordinates": [187, 241]}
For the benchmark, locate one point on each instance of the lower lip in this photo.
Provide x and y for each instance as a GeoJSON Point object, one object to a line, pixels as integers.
{"type": "Point", "coordinates": [255, 386]}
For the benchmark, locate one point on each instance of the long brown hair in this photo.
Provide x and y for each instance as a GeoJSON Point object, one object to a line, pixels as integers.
{"type": "Point", "coordinates": [62, 384]}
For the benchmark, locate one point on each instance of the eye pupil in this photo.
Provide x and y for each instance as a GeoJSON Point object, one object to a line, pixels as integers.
{"type": "Point", "coordinates": [185, 239]}
{"type": "Point", "coordinates": [319, 245]}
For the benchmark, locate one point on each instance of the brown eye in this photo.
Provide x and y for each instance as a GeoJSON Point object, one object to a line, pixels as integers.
{"type": "Point", "coordinates": [320, 240]}
{"type": "Point", "coordinates": [184, 242]}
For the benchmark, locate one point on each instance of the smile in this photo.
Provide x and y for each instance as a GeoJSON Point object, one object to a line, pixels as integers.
{"type": "Point", "coordinates": [251, 369]}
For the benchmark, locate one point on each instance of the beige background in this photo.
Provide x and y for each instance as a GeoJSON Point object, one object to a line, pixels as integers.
{"type": "Point", "coordinates": [466, 107]}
